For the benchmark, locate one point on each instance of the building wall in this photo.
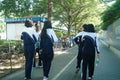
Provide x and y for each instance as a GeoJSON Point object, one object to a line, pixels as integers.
{"type": "Point", "coordinates": [112, 35]}
{"type": "Point", "coordinates": [14, 30]}
{"type": "Point", "coordinates": [15, 26]}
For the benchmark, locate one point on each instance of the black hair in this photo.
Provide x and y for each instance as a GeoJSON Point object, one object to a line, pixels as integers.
{"type": "Point", "coordinates": [47, 24]}
{"type": "Point", "coordinates": [91, 28]}
{"type": "Point", "coordinates": [28, 23]}
{"type": "Point", "coordinates": [85, 27]}
{"type": "Point", "coordinates": [36, 27]}
{"type": "Point", "coordinates": [88, 28]}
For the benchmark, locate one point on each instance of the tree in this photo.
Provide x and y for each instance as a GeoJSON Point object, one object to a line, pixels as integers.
{"type": "Point", "coordinates": [71, 13]}
{"type": "Point", "coordinates": [2, 28]}
{"type": "Point", "coordinates": [24, 8]}
{"type": "Point", "coordinates": [40, 7]}
{"type": "Point", "coordinates": [7, 7]}
{"type": "Point", "coordinates": [21, 8]}
{"type": "Point", "coordinates": [74, 13]}
{"type": "Point", "coordinates": [111, 14]}
{"type": "Point", "coordinates": [106, 1]}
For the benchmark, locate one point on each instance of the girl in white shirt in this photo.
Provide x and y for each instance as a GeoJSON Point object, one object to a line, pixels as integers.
{"type": "Point", "coordinates": [90, 46]}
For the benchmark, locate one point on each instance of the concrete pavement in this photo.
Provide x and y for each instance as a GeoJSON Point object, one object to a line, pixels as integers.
{"type": "Point", "coordinates": [63, 67]}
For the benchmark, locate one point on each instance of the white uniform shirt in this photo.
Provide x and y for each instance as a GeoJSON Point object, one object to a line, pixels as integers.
{"type": "Point", "coordinates": [52, 34]}
{"type": "Point", "coordinates": [94, 36]}
{"type": "Point", "coordinates": [31, 32]}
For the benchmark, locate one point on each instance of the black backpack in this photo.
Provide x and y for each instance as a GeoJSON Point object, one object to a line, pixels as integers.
{"type": "Point", "coordinates": [46, 44]}
{"type": "Point", "coordinates": [88, 44]}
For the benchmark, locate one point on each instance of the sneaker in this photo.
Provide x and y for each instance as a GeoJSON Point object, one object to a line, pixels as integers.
{"type": "Point", "coordinates": [77, 70]}
{"type": "Point", "coordinates": [26, 78]}
{"type": "Point", "coordinates": [45, 78]}
{"type": "Point", "coordinates": [90, 78]}
{"type": "Point", "coordinates": [40, 66]}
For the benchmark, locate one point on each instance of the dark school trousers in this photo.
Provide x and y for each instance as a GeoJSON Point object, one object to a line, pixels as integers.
{"type": "Point", "coordinates": [39, 60]}
{"type": "Point", "coordinates": [88, 62]}
{"type": "Point", "coordinates": [47, 60]}
{"type": "Point", "coordinates": [79, 57]}
{"type": "Point", "coordinates": [29, 52]}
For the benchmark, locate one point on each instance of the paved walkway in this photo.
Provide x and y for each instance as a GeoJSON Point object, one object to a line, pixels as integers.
{"type": "Point", "coordinates": [63, 67]}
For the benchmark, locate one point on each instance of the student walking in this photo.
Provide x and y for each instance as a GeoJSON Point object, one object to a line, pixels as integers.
{"type": "Point", "coordinates": [37, 29]}
{"type": "Point", "coordinates": [90, 46]}
{"type": "Point", "coordinates": [46, 47]}
{"type": "Point", "coordinates": [29, 38]}
{"type": "Point", "coordinates": [78, 41]}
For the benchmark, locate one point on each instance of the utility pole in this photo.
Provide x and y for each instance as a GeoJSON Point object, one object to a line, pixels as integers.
{"type": "Point", "coordinates": [50, 4]}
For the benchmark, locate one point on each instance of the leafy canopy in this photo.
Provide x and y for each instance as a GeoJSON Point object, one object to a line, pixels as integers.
{"type": "Point", "coordinates": [111, 14]}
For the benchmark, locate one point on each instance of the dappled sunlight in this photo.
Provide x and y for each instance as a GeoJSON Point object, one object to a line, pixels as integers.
{"type": "Point", "coordinates": [60, 52]}
{"type": "Point", "coordinates": [10, 64]}
{"type": "Point", "coordinates": [9, 67]}
{"type": "Point", "coordinates": [1, 72]}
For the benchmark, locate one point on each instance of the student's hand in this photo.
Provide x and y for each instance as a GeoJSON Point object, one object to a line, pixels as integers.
{"type": "Point", "coordinates": [40, 51]}
{"type": "Point", "coordinates": [78, 44]}
{"type": "Point", "coordinates": [98, 55]}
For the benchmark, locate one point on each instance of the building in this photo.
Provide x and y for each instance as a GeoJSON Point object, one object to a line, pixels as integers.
{"type": "Point", "coordinates": [15, 26]}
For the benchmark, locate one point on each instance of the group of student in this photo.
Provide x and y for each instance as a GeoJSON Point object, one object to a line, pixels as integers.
{"type": "Point", "coordinates": [86, 40]}
{"type": "Point", "coordinates": [46, 51]}
{"type": "Point", "coordinates": [88, 45]}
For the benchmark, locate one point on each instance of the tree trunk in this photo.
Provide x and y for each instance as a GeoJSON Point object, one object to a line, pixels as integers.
{"type": "Point", "coordinates": [49, 9]}
{"type": "Point", "coordinates": [68, 30]}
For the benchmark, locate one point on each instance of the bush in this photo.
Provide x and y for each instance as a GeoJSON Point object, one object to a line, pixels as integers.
{"type": "Point", "coordinates": [15, 46]}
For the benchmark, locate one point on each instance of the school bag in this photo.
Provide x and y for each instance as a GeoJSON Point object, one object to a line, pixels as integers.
{"type": "Point", "coordinates": [88, 44]}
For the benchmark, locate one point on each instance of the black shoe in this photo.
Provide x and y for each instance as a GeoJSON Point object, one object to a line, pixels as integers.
{"type": "Point", "coordinates": [77, 70]}
{"type": "Point", "coordinates": [77, 66]}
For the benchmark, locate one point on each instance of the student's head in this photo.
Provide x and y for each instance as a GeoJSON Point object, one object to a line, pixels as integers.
{"type": "Point", "coordinates": [47, 24]}
{"type": "Point", "coordinates": [29, 23]}
{"type": "Point", "coordinates": [88, 28]}
{"type": "Point", "coordinates": [36, 27]}
{"type": "Point", "coordinates": [85, 27]}
{"type": "Point", "coordinates": [91, 28]}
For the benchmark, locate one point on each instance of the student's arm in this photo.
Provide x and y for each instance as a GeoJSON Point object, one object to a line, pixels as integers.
{"type": "Point", "coordinates": [21, 36]}
{"type": "Point", "coordinates": [76, 39]}
{"type": "Point", "coordinates": [97, 47]}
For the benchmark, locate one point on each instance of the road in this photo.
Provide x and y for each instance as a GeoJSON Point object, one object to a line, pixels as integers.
{"type": "Point", "coordinates": [63, 67]}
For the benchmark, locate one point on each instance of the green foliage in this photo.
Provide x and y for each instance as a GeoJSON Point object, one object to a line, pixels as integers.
{"type": "Point", "coordinates": [23, 8]}
{"type": "Point", "coordinates": [2, 26]}
{"type": "Point", "coordinates": [59, 34]}
{"type": "Point", "coordinates": [106, 1]}
{"type": "Point", "coordinates": [71, 13]}
{"type": "Point", "coordinates": [111, 14]}
{"type": "Point", "coordinates": [15, 46]}
{"type": "Point", "coordinates": [74, 13]}
{"type": "Point", "coordinates": [1, 42]}
{"type": "Point", "coordinates": [40, 7]}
